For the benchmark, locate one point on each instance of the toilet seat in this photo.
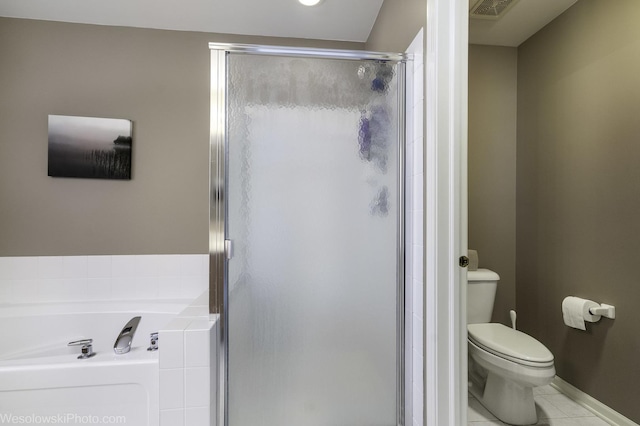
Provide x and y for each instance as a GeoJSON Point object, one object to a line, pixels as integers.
{"type": "Point", "coordinates": [510, 344]}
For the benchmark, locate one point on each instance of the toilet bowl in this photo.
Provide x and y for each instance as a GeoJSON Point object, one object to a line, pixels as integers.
{"type": "Point", "coordinates": [511, 364]}
{"type": "Point", "coordinates": [504, 364]}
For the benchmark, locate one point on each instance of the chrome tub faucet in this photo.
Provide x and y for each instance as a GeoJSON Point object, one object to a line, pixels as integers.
{"type": "Point", "coordinates": [122, 344]}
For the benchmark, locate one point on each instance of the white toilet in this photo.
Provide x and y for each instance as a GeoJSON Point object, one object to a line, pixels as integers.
{"type": "Point", "coordinates": [504, 364]}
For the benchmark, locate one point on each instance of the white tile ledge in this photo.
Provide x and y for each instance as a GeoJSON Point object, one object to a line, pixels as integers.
{"type": "Point", "coordinates": [187, 351]}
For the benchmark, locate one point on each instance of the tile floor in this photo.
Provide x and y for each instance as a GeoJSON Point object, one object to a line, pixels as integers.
{"type": "Point", "coordinates": [554, 409]}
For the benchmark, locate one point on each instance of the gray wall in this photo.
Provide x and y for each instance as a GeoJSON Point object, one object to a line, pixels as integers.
{"type": "Point", "coordinates": [492, 167]}
{"type": "Point", "coordinates": [492, 142]}
{"type": "Point", "coordinates": [397, 25]}
{"type": "Point", "coordinates": [578, 193]}
{"type": "Point", "coordinates": [160, 81]}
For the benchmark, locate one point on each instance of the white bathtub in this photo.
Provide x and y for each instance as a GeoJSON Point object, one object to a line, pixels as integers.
{"type": "Point", "coordinates": [42, 381]}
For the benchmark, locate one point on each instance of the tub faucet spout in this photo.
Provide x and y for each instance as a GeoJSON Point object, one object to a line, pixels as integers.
{"type": "Point", "coordinates": [123, 342]}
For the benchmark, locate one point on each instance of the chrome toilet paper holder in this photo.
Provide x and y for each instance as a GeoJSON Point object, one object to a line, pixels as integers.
{"type": "Point", "coordinates": [607, 311]}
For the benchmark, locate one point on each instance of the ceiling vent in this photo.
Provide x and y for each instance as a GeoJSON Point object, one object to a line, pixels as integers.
{"type": "Point", "coordinates": [490, 9]}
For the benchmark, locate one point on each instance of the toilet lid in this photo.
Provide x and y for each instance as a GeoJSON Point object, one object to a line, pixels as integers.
{"type": "Point", "coordinates": [509, 343]}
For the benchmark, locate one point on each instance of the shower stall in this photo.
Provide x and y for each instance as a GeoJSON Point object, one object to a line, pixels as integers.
{"type": "Point", "coordinates": [307, 235]}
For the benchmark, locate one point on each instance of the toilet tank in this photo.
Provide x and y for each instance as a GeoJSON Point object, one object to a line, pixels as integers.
{"type": "Point", "coordinates": [481, 293]}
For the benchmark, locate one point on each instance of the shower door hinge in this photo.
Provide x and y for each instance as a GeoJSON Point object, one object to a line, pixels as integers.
{"type": "Point", "coordinates": [228, 249]}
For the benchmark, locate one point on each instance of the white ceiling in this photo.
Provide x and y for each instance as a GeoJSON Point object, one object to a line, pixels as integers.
{"type": "Point", "coordinates": [349, 20]}
{"type": "Point", "coordinates": [523, 20]}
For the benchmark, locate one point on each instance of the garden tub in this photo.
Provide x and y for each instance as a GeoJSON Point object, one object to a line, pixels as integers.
{"type": "Point", "coordinates": [43, 381]}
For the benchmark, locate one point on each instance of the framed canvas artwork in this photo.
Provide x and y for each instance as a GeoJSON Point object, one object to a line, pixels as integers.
{"type": "Point", "coordinates": [88, 147]}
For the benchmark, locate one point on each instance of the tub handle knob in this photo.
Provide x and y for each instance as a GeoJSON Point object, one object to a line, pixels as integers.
{"type": "Point", "coordinates": [87, 349]}
{"type": "Point", "coordinates": [80, 342]}
{"type": "Point", "coordinates": [153, 346]}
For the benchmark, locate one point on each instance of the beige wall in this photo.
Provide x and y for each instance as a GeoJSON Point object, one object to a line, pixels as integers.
{"type": "Point", "coordinates": [578, 193]}
{"type": "Point", "coordinates": [397, 25]}
{"type": "Point", "coordinates": [492, 167]}
{"type": "Point", "coordinates": [157, 79]}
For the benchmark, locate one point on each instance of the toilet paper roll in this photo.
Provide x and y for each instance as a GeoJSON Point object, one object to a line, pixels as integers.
{"type": "Point", "coordinates": [473, 260]}
{"type": "Point", "coordinates": [575, 311]}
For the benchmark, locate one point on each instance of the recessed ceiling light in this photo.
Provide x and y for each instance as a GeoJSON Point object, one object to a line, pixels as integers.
{"type": "Point", "coordinates": [309, 2]}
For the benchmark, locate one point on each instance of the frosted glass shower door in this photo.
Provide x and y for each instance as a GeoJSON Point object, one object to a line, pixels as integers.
{"type": "Point", "coordinates": [312, 211]}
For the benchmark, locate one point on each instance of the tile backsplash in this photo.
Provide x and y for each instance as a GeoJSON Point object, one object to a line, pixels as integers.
{"type": "Point", "coordinates": [80, 278]}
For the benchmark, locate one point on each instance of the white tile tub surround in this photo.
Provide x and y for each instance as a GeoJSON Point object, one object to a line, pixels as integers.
{"type": "Point", "coordinates": [188, 362]}
{"type": "Point", "coordinates": [83, 278]}
{"type": "Point", "coordinates": [414, 243]}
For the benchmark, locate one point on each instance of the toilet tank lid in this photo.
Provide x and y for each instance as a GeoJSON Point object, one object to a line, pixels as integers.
{"type": "Point", "coordinates": [482, 275]}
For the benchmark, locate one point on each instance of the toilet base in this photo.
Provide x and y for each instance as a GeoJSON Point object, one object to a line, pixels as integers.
{"type": "Point", "coordinates": [509, 401]}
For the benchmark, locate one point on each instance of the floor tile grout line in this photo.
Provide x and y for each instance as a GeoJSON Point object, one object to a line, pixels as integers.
{"type": "Point", "coordinates": [570, 402]}
{"type": "Point", "coordinates": [567, 402]}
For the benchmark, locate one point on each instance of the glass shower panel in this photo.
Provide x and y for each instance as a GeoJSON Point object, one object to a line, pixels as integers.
{"type": "Point", "coordinates": [313, 205]}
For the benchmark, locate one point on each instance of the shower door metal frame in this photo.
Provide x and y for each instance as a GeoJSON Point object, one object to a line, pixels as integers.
{"type": "Point", "coordinates": [219, 251]}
